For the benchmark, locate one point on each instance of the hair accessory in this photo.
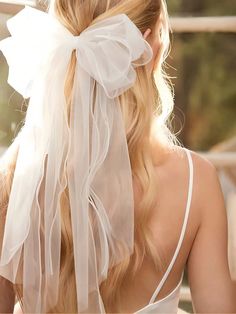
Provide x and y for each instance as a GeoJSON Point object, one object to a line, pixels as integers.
{"type": "Point", "coordinates": [86, 151]}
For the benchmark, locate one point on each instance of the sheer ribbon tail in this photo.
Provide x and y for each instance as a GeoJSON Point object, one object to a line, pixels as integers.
{"type": "Point", "coordinates": [87, 152]}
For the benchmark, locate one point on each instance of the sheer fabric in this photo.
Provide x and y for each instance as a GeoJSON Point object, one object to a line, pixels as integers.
{"type": "Point", "coordinates": [88, 153]}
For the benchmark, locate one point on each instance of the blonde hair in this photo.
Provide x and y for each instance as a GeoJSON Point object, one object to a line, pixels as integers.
{"type": "Point", "coordinates": [146, 109]}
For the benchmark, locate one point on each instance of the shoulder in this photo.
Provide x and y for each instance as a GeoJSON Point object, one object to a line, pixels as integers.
{"type": "Point", "coordinates": [210, 242]}
{"type": "Point", "coordinates": [200, 163]}
{"type": "Point", "coordinates": [173, 160]}
{"type": "Point", "coordinates": [208, 199]}
{"type": "Point", "coordinates": [204, 168]}
{"type": "Point", "coordinates": [207, 183]}
{"type": "Point", "coordinates": [206, 180]}
{"type": "Point", "coordinates": [207, 191]}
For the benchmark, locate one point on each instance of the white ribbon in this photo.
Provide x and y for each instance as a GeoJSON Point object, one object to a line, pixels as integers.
{"type": "Point", "coordinates": [89, 154]}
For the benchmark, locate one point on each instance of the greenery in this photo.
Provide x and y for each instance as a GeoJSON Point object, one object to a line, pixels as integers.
{"type": "Point", "coordinates": [11, 113]}
{"type": "Point", "coordinates": [205, 67]}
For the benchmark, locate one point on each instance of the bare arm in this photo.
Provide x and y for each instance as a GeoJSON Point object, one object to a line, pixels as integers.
{"type": "Point", "coordinates": [208, 271]}
{"type": "Point", "coordinates": [7, 296]}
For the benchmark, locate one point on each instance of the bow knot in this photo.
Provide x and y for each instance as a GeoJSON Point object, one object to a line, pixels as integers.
{"type": "Point", "coordinates": [106, 50]}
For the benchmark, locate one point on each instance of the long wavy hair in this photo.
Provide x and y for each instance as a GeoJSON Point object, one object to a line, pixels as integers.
{"type": "Point", "coordinates": [147, 108]}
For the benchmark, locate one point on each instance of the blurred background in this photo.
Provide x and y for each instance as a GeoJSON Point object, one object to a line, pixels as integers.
{"type": "Point", "coordinates": [205, 71]}
{"type": "Point", "coordinates": [202, 64]}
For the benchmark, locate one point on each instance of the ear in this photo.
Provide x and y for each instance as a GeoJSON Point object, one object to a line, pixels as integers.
{"type": "Point", "coordinates": [147, 33]}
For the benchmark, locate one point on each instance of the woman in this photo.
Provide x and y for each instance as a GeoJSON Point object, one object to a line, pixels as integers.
{"type": "Point", "coordinates": [179, 212]}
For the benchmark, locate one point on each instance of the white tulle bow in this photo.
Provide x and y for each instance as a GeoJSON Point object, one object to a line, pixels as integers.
{"type": "Point", "coordinates": [87, 153]}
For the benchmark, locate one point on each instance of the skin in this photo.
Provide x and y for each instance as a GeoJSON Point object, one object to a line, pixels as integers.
{"type": "Point", "coordinates": [204, 248]}
{"type": "Point", "coordinates": [153, 37]}
{"type": "Point", "coordinates": [7, 296]}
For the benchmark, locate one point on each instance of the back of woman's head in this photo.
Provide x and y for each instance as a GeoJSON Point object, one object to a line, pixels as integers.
{"type": "Point", "coordinates": [78, 15]}
{"type": "Point", "coordinates": [146, 107]}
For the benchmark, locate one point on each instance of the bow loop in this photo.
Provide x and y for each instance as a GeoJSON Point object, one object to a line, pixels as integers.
{"type": "Point", "coordinates": [116, 36]}
{"type": "Point", "coordinates": [41, 36]}
{"type": "Point", "coordinates": [36, 37]}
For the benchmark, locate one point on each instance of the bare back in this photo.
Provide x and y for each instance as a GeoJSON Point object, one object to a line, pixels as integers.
{"type": "Point", "coordinates": [172, 190]}
{"type": "Point", "coordinates": [200, 244]}
{"type": "Point", "coordinates": [167, 222]}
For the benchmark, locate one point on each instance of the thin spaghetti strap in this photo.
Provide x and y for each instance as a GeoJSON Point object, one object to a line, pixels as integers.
{"type": "Point", "coordinates": [190, 190]}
